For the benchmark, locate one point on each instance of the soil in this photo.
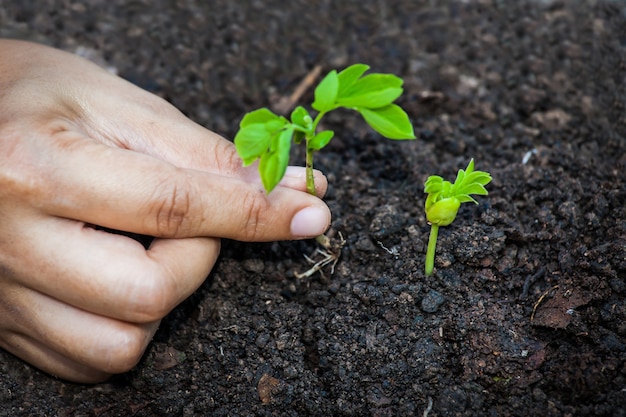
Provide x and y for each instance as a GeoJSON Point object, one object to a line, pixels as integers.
{"type": "Point", "coordinates": [526, 313]}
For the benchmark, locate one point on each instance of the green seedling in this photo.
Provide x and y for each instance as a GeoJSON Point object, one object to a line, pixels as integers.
{"type": "Point", "coordinates": [267, 137]}
{"type": "Point", "coordinates": [444, 200]}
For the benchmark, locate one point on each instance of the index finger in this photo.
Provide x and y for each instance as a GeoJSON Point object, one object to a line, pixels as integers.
{"type": "Point", "coordinates": [126, 190]}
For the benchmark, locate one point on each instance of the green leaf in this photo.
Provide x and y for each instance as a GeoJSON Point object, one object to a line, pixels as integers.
{"type": "Point", "coordinates": [433, 184]}
{"type": "Point", "coordinates": [320, 140]}
{"type": "Point", "coordinates": [258, 116]}
{"type": "Point", "coordinates": [470, 166]}
{"type": "Point", "coordinates": [371, 83]}
{"type": "Point", "coordinates": [479, 177]}
{"type": "Point", "coordinates": [298, 137]}
{"type": "Point", "coordinates": [273, 164]}
{"type": "Point", "coordinates": [466, 198]}
{"type": "Point", "coordinates": [474, 188]}
{"type": "Point", "coordinates": [257, 129]}
{"type": "Point", "coordinates": [301, 117]}
{"type": "Point", "coordinates": [252, 141]}
{"type": "Point", "coordinates": [372, 99]}
{"type": "Point", "coordinates": [390, 121]}
{"type": "Point", "coordinates": [326, 93]}
{"type": "Point", "coordinates": [469, 181]}
{"type": "Point", "coordinates": [348, 77]}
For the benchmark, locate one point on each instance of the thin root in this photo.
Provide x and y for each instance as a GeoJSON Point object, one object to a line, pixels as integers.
{"type": "Point", "coordinates": [330, 256]}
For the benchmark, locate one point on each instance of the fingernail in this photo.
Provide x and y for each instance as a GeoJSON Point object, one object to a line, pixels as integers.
{"type": "Point", "coordinates": [309, 222]}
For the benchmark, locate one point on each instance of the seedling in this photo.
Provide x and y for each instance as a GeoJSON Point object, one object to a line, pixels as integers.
{"type": "Point", "coordinates": [267, 137]}
{"type": "Point", "coordinates": [444, 200]}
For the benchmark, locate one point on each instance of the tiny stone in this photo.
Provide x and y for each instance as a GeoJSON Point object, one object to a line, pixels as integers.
{"type": "Point", "coordinates": [253, 265]}
{"type": "Point", "coordinates": [432, 301]}
{"type": "Point", "coordinates": [262, 339]}
{"type": "Point", "coordinates": [386, 222]}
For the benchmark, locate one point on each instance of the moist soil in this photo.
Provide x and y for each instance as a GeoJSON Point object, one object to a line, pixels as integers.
{"type": "Point", "coordinates": [525, 314]}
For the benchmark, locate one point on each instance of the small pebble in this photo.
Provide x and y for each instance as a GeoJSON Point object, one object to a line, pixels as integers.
{"type": "Point", "coordinates": [432, 301]}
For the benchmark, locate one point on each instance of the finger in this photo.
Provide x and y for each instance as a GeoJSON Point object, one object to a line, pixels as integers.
{"type": "Point", "coordinates": [117, 113]}
{"type": "Point", "coordinates": [72, 343]}
{"type": "Point", "coordinates": [160, 130]}
{"type": "Point", "coordinates": [50, 361]}
{"type": "Point", "coordinates": [192, 146]}
{"type": "Point", "coordinates": [112, 275]}
{"type": "Point", "coordinates": [148, 196]}
{"type": "Point", "coordinates": [148, 124]}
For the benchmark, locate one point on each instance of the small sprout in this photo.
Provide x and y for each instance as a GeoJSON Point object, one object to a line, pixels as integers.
{"type": "Point", "coordinates": [444, 200]}
{"type": "Point", "coordinates": [267, 137]}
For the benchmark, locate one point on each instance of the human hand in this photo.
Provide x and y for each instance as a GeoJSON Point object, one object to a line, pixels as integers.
{"type": "Point", "coordinates": [80, 147]}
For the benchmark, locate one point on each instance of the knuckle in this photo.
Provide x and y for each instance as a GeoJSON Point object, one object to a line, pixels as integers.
{"type": "Point", "coordinates": [170, 206]}
{"type": "Point", "coordinates": [226, 158]}
{"type": "Point", "coordinates": [255, 208]}
{"type": "Point", "coordinates": [122, 350]}
{"type": "Point", "coordinates": [27, 170]}
{"type": "Point", "coordinates": [18, 174]}
{"type": "Point", "coordinates": [153, 298]}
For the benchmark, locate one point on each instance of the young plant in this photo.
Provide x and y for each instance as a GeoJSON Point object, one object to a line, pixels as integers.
{"type": "Point", "coordinates": [267, 137]}
{"type": "Point", "coordinates": [444, 200]}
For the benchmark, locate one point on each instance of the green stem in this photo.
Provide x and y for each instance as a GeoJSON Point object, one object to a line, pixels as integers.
{"type": "Point", "coordinates": [310, 181]}
{"type": "Point", "coordinates": [317, 121]}
{"type": "Point", "coordinates": [432, 245]}
{"type": "Point", "coordinates": [322, 240]}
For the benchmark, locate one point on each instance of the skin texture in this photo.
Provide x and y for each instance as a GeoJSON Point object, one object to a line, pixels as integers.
{"type": "Point", "coordinates": [80, 147]}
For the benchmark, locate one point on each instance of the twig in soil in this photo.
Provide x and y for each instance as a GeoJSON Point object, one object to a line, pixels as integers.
{"type": "Point", "coordinates": [330, 256]}
{"type": "Point", "coordinates": [286, 104]}
{"type": "Point", "coordinates": [540, 300]}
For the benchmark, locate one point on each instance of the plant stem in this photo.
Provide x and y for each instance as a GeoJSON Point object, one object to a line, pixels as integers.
{"type": "Point", "coordinates": [432, 245]}
{"type": "Point", "coordinates": [310, 181]}
{"type": "Point", "coordinates": [317, 121]}
{"type": "Point", "coordinates": [322, 240]}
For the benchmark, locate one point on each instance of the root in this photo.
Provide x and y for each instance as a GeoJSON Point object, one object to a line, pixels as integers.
{"type": "Point", "coordinates": [330, 253]}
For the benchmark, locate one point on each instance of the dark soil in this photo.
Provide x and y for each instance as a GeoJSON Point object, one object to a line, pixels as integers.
{"type": "Point", "coordinates": [526, 313]}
